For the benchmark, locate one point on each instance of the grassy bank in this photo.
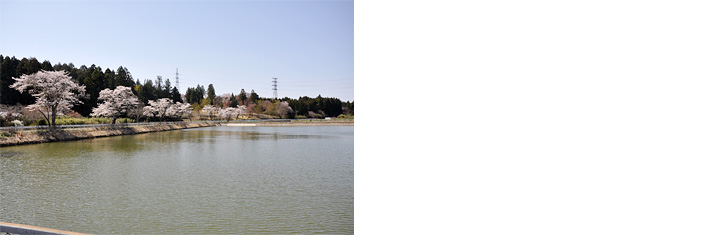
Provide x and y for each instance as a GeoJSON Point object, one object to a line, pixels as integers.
{"type": "Point", "coordinates": [8, 138]}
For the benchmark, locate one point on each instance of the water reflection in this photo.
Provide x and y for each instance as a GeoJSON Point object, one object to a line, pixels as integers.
{"type": "Point", "coordinates": [8, 153]}
{"type": "Point", "coordinates": [256, 135]}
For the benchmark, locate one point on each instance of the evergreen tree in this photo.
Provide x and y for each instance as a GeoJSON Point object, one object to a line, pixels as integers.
{"type": "Point", "coordinates": [28, 66]}
{"type": "Point", "coordinates": [123, 77]}
{"type": "Point", "coordinates": [46, 66]}
{"type": "Point", "coordinates": [253, 96]}
{"type": "Point", "coordinates": [233, 101]}
{"type": "Point", "coordinates": [201, 91]}
{"type": "Point", "coordinates": [199, 94]}
{"type": "Point", "coordinates": [148, 91]}
{"type": "Point", "coordinates": [176, 97]}
{"type": "Point", "coordinates": [190, 95]}
{"type": "Point", "coordinates": [8, 70]}
{"type": "Point", "coordinates": [211, 94]}
{"type": "Point", "coordinates": [109, 79]}
{"type": "Point", "coordinates": [243, 97]}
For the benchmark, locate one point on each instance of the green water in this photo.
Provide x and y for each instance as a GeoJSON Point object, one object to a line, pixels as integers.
{"type": "Point", "coordinates": [214, 180]}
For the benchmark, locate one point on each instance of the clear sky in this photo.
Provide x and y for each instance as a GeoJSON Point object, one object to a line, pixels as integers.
{"type": "Point", "coordinates": [307, 45]}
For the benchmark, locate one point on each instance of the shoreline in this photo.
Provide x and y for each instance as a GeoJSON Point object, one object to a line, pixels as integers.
{"type": "Point", "coordinates": [293, 123]}
{"type": "Point", "coordinates": [37, 137]}
{"type": "Point", "coordinates": [43, 136]}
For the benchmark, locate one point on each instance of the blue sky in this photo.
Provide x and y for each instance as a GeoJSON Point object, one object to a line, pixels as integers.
{"type": "Point", "coordinates": [307, 45]}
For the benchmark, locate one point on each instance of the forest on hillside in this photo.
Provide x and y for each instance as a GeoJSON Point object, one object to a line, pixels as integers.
{"type": "Point", "coordinates": [95, 79]}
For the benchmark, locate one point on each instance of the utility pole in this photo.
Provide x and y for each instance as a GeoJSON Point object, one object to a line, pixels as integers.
{"type": "Point", "coordinates": [275, 88]}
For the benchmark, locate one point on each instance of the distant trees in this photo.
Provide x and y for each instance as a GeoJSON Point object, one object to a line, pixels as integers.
{"type": "Point", "coordinates": [93, 77]}
{"type": "Point", "coordinates": [118, 102]}
{"type": "Point", "coordinates": [54, 92]}
{"type": "Point", "coordinates": [9, 69]}
{"type": "Point", "coordinates": [318, 107]}
{"type": "Point", "coordinates": [96, 80]}
{"type": "Point", "coordinates": [349, 107]}
{"type": "Point", "coordinates": [330, 107]}
{"type": "Point", "coordinates": [195, 95]}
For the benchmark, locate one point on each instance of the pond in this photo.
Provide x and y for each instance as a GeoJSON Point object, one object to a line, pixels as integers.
{"type": "Point", "coordinates": [258, 180]}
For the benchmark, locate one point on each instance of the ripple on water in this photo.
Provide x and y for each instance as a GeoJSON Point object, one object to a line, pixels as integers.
{"type": "Point", "coordinates": [215, 180]}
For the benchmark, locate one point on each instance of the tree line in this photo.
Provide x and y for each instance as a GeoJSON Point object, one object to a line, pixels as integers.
{"type": "Point", "coordinates": [96, 79]}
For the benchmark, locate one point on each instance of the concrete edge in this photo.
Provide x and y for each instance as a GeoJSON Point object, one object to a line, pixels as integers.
{"type": "Point", "coordinates": [29, 229]}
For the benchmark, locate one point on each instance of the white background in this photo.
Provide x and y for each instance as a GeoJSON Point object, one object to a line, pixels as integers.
{"type": "Point", "coordinates": [537, 117]}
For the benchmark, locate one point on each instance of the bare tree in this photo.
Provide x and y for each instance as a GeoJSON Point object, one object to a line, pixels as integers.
{"type": "Point", "coordinates": [54, 92]}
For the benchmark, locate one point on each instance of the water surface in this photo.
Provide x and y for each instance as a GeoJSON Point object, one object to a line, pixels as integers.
{"type": "Point", "coordinates": [258, 180]}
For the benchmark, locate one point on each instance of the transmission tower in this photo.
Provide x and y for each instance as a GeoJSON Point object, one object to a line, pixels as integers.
{"type": "Point", "coordinates": [177, 79]}
{"type": "Point", "coordinates": [275, 88]}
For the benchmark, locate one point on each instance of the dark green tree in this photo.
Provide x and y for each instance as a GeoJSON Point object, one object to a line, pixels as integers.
{"type": "Point", "coordinates": [123, 77]}
{"type": "Point", "coordinates": [94, 80]}
{"type": "Point", "coordinates": [28, 66]}
{"type": "Point", "coordinates": [149, 92]}
{"type": "Point", "coordinates": [201, 90]}
{"type": "Point", "coordinates": [211, 94]}
{"type": "Point", "coordinates": [176, 97]}
{"type": "Point", "coordinates": [243, 97]}
{"type": "Point", "coordinates": [109, 79]}
{"type": "Point", "coordinates": [253, 96]}
{"type": "Point", "coordinates": [233, 101]}
{"type": "Point", "coordinates": [194, 95]}
{"type": "Point", "coordinates": [47, 66]}
{"type": "Point", "coordinates": [8, 70]}
{"type": "Point", "coordinates": [190, 95]}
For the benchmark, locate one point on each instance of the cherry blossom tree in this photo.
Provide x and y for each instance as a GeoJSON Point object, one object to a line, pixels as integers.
{"type": "Point", "coordinates": [118, 102]}
{"type": "Point", "coordinates": [157, 108]}
{"type": "Point", "coordinates": [242, 110]}
{"type": "Point", "coordinates": [211, 111]}
{"type": "Point", "coordinates": [136, 112]}
{"type": "Point", "coordinates": [230, 112]}
{"type": "Point", "coordinates": [54, 92]}
{"type": "Point", "coordinates": [284, 109]}
{"type": "Point", "coordinates": [227, 113]}
{"type": "Point", "coordinates": [186, 109]}
{"type": "Point", "coordinates": [179, 110]}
